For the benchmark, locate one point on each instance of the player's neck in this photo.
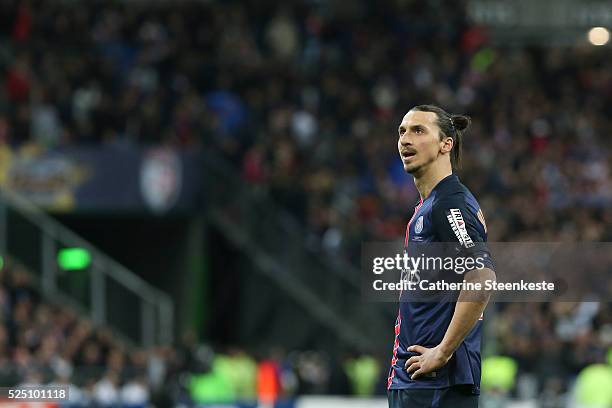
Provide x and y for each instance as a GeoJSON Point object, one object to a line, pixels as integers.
{"type": "Point", "coordinates": [428, 179]}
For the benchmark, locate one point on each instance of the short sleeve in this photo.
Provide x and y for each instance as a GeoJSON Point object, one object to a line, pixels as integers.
{"type": "Point", "coordinates": [456, 223]}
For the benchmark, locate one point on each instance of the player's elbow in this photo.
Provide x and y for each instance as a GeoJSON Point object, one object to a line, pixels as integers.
{"type": "Point", "coordinates": [489, 275]}
{"type": "Point", "coordinates": [480, 275]}
{"type": "Point", "coordinates": [483, 280]}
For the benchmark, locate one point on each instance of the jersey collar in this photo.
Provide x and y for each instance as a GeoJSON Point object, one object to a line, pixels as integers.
{"type": "Point", "coordinates": [446, 180]}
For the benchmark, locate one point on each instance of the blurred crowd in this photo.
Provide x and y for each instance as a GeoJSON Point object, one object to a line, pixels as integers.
{"type": "Point", "coordinates": [305, 98]}
{"type": "Point", "coordinates": [48, 344]}
{"type": "Point", "coordinates": [43, 343]}
{"type": "Point", "coordinates": [551, 343]}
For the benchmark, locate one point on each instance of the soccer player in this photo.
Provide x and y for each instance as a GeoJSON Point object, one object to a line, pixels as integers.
{"type": "Point", "coordinates": [436, 353]}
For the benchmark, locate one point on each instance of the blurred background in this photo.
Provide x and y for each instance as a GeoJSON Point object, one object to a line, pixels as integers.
{"type": "Point", "coordinates": [186, 186]}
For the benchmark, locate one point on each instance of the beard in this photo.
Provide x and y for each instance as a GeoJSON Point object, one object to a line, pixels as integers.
{"type": "Point", "coordinates": [416, 169]}
{"type": "Point", "coordinates": [412, 168]}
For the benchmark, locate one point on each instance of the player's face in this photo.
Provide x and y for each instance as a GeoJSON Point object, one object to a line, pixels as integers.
{"type": "Point", "coordinates": [419, 142]}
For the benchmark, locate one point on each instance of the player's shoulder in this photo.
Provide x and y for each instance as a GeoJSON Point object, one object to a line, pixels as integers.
{"type": "Point", "coordinates": [454, 194]}
{"type": "Point", "coordinates": [454, 205]}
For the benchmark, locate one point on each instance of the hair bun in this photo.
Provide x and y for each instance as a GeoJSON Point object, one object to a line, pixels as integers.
{"type": "Point", "coordinates": [461, 122]}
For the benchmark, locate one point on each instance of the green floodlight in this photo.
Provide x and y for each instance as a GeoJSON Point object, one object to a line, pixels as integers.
{"type": "Point", "coordinates": [1, 262]}
{"type": "Point", "coordinates": [72, 259]}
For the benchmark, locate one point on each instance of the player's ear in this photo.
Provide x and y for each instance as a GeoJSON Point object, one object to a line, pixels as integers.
{"type": "Point", "coordinates": [446, 144]}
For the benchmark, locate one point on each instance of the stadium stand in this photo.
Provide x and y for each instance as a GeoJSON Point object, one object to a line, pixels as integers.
{"type": "Point", "coordinates": [303, 100]}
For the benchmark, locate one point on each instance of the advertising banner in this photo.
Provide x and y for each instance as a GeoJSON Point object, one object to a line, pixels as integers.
{"type": "Point", "coordinates": [103, 178]}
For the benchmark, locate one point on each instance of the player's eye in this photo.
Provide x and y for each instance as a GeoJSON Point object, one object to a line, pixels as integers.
{"type": "Point", "coordinates": [418, 130]}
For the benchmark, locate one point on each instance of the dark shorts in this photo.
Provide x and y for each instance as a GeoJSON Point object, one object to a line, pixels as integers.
{"type": "Point", "coordinates": [452, 397]}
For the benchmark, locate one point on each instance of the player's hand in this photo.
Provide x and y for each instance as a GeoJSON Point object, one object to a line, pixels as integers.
{"type": "Point", "coordinates": [430, 360]}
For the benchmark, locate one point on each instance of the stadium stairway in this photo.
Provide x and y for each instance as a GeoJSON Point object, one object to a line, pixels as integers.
{"type": "Point", "coordinates": [99, 288]}
{"type": "Point", "coordinates": [326, 288]}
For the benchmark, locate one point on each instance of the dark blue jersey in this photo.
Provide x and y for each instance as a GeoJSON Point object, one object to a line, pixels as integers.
{"type": "Point", "coordinates": [449, 214]}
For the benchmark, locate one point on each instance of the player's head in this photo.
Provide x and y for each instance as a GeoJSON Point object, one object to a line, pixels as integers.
{"type": "Point", "coordinates": [428, 134]}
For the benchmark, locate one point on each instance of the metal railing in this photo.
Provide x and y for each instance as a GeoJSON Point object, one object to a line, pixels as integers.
{"type": "Point", "coordinates": [107, 292]}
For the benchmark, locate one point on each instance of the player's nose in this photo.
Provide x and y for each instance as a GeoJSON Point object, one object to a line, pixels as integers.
{"type": "Point", "coordinates": [404, 141]}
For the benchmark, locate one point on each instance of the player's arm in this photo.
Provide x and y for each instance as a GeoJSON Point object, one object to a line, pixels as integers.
{"type": "Point", "coordinates": [453, 223]}
{"type": "Point", "coordinates": [469, 308]}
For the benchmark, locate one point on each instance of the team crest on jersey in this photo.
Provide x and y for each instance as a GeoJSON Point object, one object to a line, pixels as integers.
{"type": "Point", "coordinates": [455, 219]}
{"type": "Point", "coordinates": [418, 227]}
